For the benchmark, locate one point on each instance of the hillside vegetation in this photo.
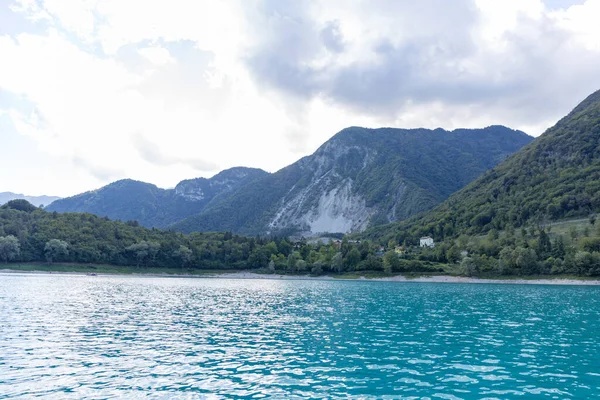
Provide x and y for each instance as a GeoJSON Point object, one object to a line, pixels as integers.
{"type": "Point", "coordinates": [533, 214]}
{"type": "Point", "coordinates": [557, 176]}
{"type": "Point", "coordinates": [359, 178]}
{"type": "Point", "coordinates": [151, 206]}
{"type": "Point", "coordinates": [29, 234]}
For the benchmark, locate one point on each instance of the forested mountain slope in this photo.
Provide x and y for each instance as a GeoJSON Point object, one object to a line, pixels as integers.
{"type": "Point", "coordinates": [154, 207]}
{"type": "Point", "coordinates": [557, 176]}
{"type": "Point", "coordinates": [361, 177]}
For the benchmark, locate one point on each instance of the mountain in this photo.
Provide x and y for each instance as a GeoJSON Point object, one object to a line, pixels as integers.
{"type": "Point", "coordinates": [359, 178]}
{"type": "Point", "coordinates": [556, 176]}
{"type": "Point", "coordinates": [155, 207]}
{"type": "Point", "coordinates": [37, 201]}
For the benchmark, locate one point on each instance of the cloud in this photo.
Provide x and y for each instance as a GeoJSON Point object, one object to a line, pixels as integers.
{"type": "Point", "coordinates": [332, 37]}
{"type": "Point", "coordinates": [169, 93]}
{"type": "Point", "coordinates": [438, 52]}
{"type": "Point", "coordinates": [153, 154]}
{"type": "Point", "coordinates": [101, 172]}
{"type": "Point", "coordinates": [156, 55]}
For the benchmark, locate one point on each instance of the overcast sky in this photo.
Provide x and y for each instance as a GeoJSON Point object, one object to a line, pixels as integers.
{"type": "Point", "coordinates": [92, 91]}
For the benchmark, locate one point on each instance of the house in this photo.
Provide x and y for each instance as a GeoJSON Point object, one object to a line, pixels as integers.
{"type": "Point", "coordinates": [400, 250]}
{"type": "Point", "coordinates": [427, 241]}
{"type": "Point", "coordinates": [379, 250]}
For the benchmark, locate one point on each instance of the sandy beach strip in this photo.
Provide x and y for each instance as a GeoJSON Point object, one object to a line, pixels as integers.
{"type": "Point", "coordinates": [396, 278]}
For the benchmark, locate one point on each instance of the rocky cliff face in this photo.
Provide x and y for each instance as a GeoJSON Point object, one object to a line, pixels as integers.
{"type": "Point", "coordinates": [337, 210]}
{"type": "Point", "coordinates": [202, 189]}
{"type": "Point", "coordinates": [329, 203]}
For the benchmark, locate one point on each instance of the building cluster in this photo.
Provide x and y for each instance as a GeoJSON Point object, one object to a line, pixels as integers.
{"type": "Point", "coordinates": [425, 241]}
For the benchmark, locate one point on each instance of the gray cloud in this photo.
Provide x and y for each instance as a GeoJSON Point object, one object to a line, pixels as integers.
{"type": "Point", "coordinates": [152, 153]}
{"type": "Point", "coordinates": [101, 173]}
{"type": "Point", "coordinates": [434, 57]}
{"type": "Point", "coordinates": [288, 39]}
{"type": "Point", "coordinates": [332, 37]}
{"type": "Point", "coordinates": [200, 165]}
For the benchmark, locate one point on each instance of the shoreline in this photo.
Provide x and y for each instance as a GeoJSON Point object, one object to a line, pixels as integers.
{"type": "Point", "coordinates": [396, 278]}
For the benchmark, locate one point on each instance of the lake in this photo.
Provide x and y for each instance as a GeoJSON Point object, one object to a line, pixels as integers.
{"type": "Point", "coordinates": [67, 336]}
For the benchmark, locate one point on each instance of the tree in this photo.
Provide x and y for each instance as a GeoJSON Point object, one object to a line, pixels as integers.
{"type": "Point", "coordinates": [352, 258]}
{"type": "Point", "coordinates": [592, 219]}
{"type": "Point", "coordinates": [468, 266]}
{"type": "Point", "coordinates": [21, 205]}
{"type": "Point", "coordinates": [493, 235]}
{"type": "Point", "coordinates": [54, 249]}
{"type": "Point", "coordinates": [587, 263]}
{"type": "Point", "coordinates": [526, 260]}
{"type": "Point", "coordinates": [453, 254]}
{"type": "Point", "coordinates": [390, 262]}
{"type": "Point", "coordinates": [153, 248]}
{"type": "Point", "coordinates": [259, 257]}
{"type": "Point", "coordinates": [10, 248]}
{"type": "Point", "coordinates": [140, 250]}
{"type": "Point", "coordinates": [317, 268]}
{"type": "Point", "coordinates": [591, 244]}
{"type": "Point", "coordinates": [337, 262]}
{"type": "Point", "coordinates": [392, 244]}
{"type": "Point", "coordinates": [558, 249]}
{"type": "Point", "coordinates": [184, 254]}
{"type": "Point", "coordinates": [573, 232]}
{"type": "Point", "coordinates": [544, 246]}
{"type": "Point", "coordinates": [292, 260]}
{"type": "Point", "coordinates": [271, 266]}
{"type": "Point", "coordinates": [301, 266]}
{"type": "Point", "coordinates": [523, 233]}
{"type": "Point", "coordinates": [371, 263]}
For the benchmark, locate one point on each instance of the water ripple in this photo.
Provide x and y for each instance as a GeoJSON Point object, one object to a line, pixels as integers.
{"type": "Point", "coordinates": [111, 337]}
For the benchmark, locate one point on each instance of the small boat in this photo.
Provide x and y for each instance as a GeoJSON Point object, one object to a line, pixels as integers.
{"type": "Point", "coordinates": [92, 274]}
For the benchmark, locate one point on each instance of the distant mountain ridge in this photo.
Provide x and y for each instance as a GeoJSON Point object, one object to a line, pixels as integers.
{"type": "Point", "coordinates": [358, 178]}
{"type": "Point", "coordinates": [152, 206]}
{"type": "Point", "coordinates": [37, 201]}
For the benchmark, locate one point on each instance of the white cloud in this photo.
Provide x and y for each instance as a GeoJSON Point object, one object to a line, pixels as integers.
{"type": "Point", "coordinates": [156, 55]}
{"type": "Point", "coordinates": [262, 82]}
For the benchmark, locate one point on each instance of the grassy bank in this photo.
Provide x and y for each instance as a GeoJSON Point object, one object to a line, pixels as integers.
{"type": "Point", "coordinates": [369, 275]}
{"type": "Point", "coordinates": [108, 269]}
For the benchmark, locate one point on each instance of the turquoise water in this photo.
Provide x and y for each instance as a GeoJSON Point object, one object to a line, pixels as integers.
{"type": "Point", "coordinates": [101, 337]}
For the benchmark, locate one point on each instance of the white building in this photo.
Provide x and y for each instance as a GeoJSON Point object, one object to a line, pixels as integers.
{"type": "Point", "coordinates": [427, 241]}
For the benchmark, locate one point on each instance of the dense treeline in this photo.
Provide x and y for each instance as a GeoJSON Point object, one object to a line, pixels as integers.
{"type": "Point", "coordinates": [85, 238]}
{"type": "Point", "coordinates": [30, 234]}
{"type": "Point", "coordinates": [535, 250]}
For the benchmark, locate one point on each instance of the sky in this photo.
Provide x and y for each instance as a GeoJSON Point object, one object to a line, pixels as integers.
{"type": "Point", "coordinates": [92, 91]}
